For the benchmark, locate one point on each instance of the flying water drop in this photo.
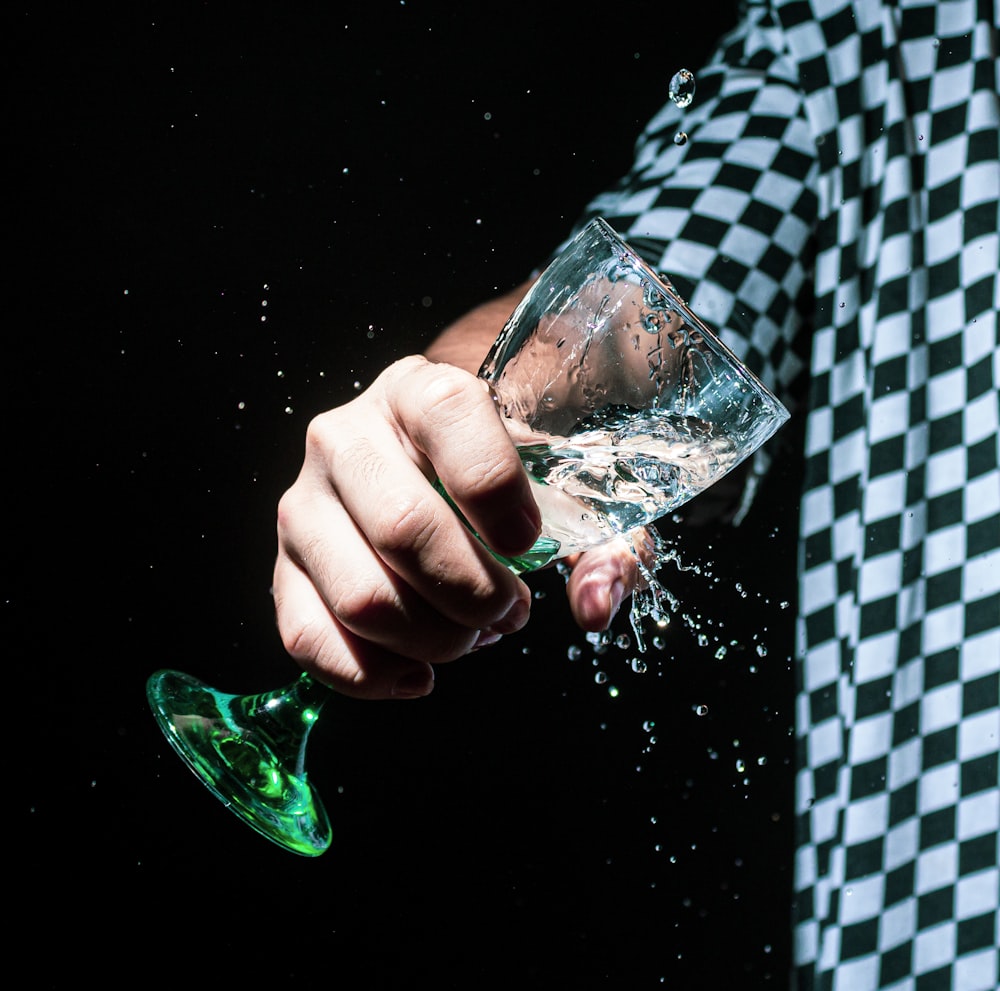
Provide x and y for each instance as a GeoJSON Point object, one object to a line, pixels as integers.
{"type": "Point", "coordinates": [682, 88]}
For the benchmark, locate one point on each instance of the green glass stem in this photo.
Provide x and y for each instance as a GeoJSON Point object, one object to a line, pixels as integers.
{"type": "Point", "coordinates": [249, 750]}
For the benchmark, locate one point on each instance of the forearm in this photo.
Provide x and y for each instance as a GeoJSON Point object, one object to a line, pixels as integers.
{"type": "Point", "coordinates": [466, 342]}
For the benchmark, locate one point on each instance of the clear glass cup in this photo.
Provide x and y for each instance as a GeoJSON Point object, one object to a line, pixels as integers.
{"type": "Point", "coordinates": [622, 403]}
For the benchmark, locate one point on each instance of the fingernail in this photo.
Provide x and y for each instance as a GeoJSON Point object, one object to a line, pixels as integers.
{"type": "Point", "coordinates": [414, 686]}
{"type": "Point", "coordinates": [616, 594]}
{"type": "Point", "coordinates": [515, 617]}
{"type": "Point", "coordinates": [485, 638]}
{"type": "Point", "coordinates": [525, 527]}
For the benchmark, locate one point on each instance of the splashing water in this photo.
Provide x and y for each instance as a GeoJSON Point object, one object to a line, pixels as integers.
{"type": "Point", "coordinates": [654, 601]}
{"type": "Point", "coordinates": [654, 610]}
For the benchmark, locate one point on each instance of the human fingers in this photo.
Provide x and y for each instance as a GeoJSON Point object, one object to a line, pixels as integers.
{"type": "Point", "coordinates": [604, 577]}
{"type": "Point", "coordinates": [358, 590]}
{"type": "Point", "coordinates": [334, 655]}
{"type": "Point", "coordinates": [375, 571]}
{"type": "Point", "coordinates": [363, 595]}
{"type": "Point", "coordinates": [452, 420]}
{"type": "Point", "coordinates": [358, 593]}
{"type": "Point", "coordinates": [420, 420]}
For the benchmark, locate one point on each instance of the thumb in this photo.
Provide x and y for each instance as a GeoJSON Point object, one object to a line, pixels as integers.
{"type": "Point", "coordinates": [601, 579]}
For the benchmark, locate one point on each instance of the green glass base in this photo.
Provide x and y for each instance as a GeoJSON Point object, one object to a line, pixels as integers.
{"type": "Point", "coordinates": [249, 752]}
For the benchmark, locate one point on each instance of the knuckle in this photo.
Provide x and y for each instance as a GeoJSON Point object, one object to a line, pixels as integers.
{"type": "Point", "coordinates": [312, 644]}
{"type": "Point", "coordinates": [306, 639]}
{"type": "Point", "coordinates": [364, 606]}
{"type": "Point", "coordinates": [496, 476]}
{"type": "Point", "coordinates": [484, 601]}
{"type": "Point", "coordinates": [289, 509]}
{"type": "Point", "coordinates": [406, 527]}
{"type": "Point", "coordinates": [450, 393]}
{"type": "Point", "coordinates": [362, 463]}
{"type": "Point", "coordinates": [323, 431]}
{"type": "Point", "coordinates": [404, 366]}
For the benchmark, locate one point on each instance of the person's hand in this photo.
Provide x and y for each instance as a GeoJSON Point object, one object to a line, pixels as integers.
{"type": "Point", "coordinates": [376, 577]}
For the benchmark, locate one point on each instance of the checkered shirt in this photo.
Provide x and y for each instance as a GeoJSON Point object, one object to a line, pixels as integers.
{"type": "Point", "coordinates": [834, 210]}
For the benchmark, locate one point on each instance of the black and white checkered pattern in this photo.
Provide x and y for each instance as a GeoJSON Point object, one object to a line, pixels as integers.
{"type": "Point", "coordinates": [836, 202]}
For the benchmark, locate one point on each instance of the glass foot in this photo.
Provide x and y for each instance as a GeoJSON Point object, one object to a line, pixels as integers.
{"type": "Point", "coordinates": [249, 751]}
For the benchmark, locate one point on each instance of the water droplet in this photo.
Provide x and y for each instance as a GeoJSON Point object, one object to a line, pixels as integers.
{"type": "Point", "coordinates": [761, 650]}
{"type": "Point", "coordinates": [573, 653]}
{"type": "Point", "coordinates": [600, 678]}
{"type": "Point", "coordinates": [700, 710]}
{"type": "Point", "coordinates": [638, 666]}
{"type": "Point", "coordinates": [682, 87]}
{"type": "Point", "coordinates": [680, 138]}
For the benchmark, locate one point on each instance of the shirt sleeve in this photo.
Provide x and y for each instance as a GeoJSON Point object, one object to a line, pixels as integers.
{"type": "Point", "coordinates": [721, 198]}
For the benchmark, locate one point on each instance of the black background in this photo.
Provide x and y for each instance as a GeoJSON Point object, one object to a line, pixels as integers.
{"type": "Point", "coordinates": [225, 219]}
